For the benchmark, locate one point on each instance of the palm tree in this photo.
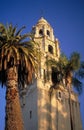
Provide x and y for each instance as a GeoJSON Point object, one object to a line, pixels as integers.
{"type": "Point", "coordinates": [18, 62]}
{"type": "Point", "coordinates": [69, 70]}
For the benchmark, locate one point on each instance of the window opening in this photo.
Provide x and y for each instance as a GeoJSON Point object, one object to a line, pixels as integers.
{"type": "Point", "coordinates": [59, 94]}
{"type": "Point", "coordinates": [30, 114]}
{"type": "Point", "coordinates": [48, 33]}
{"type": "Point", "coordinates": [50, 49]}
{"type": "Point", "coordinates": [44, 75]}
{"type": "Point", "coordinates": [54, 75]}
{"type": "Point", "coordinates": [41, 32]}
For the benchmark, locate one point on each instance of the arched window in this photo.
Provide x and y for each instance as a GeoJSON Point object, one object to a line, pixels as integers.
{"type": "Point", "coordinates": [50, 49]}
{"type": "Point", "coordinates": [59, 94]}
{"type": "Point", "coordinates": [54, 75]}
{"type": "Point", "coordinates": [41, 31]}
{"type": "Point", "coordinates": [48, 33]}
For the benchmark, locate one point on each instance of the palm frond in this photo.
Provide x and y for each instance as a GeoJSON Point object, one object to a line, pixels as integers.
{"type": "Point", "coordinates": [2, 28]}
{"type": "Point", "coordinates": [20, 30]}
{"type": "Point", "coordinates": [78, 85]}
{"type": "Point", "coordinates": [80, 72]}
{"type": "Point", "coordinates": [14, 47]}
{"type": "Point", "coordinates": [75, 61]}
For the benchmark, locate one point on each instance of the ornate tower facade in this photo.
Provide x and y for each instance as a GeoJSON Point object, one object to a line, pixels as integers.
{"type": "Point", "coordinates": [41, 109]}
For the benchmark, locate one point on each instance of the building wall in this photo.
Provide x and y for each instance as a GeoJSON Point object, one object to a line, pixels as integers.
{"type": "Point", "coordinates": [30, 108]}
{"type": "Point", "coordinates": [50, 111]}
{"type": "Point", "coordinates": [44, 116]}
{"type": "Point", "coordinates": [42, 109]}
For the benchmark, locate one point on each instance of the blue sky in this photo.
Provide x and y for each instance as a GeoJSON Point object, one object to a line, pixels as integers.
{"type": "Point", "coordinates": [65, 16]}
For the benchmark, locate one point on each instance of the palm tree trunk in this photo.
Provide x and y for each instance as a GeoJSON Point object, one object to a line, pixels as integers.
{"type": "Point", "coordinates": [13, 109]}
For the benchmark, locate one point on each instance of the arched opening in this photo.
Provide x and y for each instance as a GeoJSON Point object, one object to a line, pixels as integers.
{"type": "Point", "coordinates": [48, 33]}
{"type": "Point", "coordinates": [50, 49]}
{"type": "Point", "coordinates": [56, 76]}
{"type": "Point", "coordinates": [41, 31]}
{"type": "Point", "coordinates": [59, 94]}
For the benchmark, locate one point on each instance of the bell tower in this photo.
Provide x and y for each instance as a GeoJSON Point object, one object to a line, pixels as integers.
{"type": "Point", "coordinates": [49, 46]}
{"type": "Point", "coordinates": [43, 34]}
{"type": "Point", "coordinates": [43, 110]}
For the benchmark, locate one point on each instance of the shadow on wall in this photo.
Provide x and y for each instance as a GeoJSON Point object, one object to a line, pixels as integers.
{"type": "Point", "coordinates": [53, 113]}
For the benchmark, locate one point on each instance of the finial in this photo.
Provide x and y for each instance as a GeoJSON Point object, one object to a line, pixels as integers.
{"type": "Point", "coordinates": [42, 13]}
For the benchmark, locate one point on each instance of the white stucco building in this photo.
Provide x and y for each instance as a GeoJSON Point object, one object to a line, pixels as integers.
{"type": "Point", "coordinates": [41, 109]}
